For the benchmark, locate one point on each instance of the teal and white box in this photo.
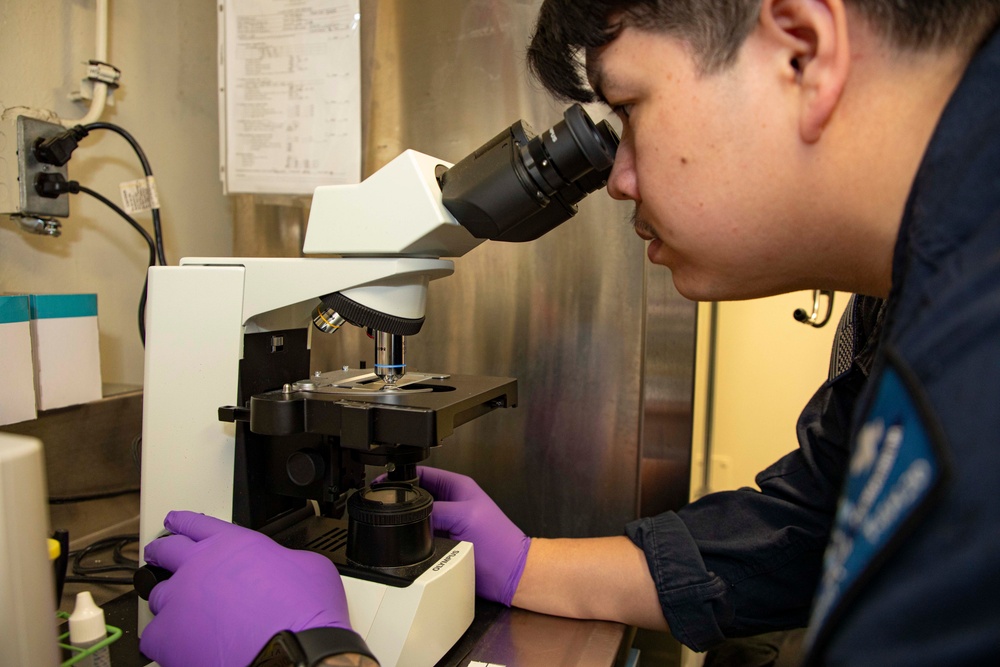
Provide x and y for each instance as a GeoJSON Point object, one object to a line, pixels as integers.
{"type": "Point", "coordinates": [17, 388]}
{"type": "Point", "coordinates": [66, 349]}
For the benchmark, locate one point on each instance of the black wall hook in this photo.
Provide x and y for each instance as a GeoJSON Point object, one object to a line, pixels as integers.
{"type": "Point", "coordinates": [813, 318]}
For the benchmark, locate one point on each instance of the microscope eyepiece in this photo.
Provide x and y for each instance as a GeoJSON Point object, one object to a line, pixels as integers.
{"type": "Point", "coordinates": [519, 185]}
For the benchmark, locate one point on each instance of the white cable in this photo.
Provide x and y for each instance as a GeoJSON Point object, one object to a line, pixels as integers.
{"type": "Point", "coordinates": [102, 31]}
{"type": "Point", "coordinates": [100, 95]}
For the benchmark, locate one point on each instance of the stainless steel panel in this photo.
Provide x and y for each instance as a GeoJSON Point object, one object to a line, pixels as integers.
{"type": "Point", "coordinates": [668, 391]}
{"type": "Point", "coordinates": [603, 354]}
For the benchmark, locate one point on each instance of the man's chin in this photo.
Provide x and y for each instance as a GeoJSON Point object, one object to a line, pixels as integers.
{"type": "Point", "coordinates": [654, 251]}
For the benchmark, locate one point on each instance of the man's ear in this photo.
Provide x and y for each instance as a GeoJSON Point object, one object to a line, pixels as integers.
{"type": "Point", "coordinates": [813, 35]}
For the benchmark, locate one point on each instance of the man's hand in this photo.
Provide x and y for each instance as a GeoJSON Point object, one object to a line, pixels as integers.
{"type": "Point", "coordinates": [232, 590]}
{"type": "Point", "coordinates": [600, 577]}
{"type": "Point", "coordinates": [465, 512]}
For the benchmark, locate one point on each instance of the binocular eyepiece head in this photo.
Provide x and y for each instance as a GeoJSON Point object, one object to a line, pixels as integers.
{"type": "Point", "coordinates": [518, 186]}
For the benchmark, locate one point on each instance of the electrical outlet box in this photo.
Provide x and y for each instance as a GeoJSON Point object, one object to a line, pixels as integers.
{"type": "Point", "coordinates": [18, 169]}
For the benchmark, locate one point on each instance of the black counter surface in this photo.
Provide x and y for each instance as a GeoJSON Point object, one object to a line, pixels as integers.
{"type": "Point", "coordinates": [498, 636]}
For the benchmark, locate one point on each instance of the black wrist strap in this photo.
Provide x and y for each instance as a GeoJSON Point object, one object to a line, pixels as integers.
{"type": "Point", "coordinates": [320, 643]}
{"type": "Point", "coordinates": [310, 647]}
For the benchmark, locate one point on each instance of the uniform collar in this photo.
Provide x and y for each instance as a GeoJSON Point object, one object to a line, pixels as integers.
{"type": "Point", "coordinates": [957, 187]}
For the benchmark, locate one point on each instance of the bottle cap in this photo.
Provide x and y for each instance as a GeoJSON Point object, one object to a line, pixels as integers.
{"type": "Point", "coordinates": [86, 623]}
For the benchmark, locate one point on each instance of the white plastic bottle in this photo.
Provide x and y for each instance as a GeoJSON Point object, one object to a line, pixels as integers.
{"type": "Point", "coordinates": [86, 628]}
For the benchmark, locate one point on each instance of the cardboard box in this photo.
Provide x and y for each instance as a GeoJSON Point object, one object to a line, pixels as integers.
{"type": "Point", "coordinates": [17, 384]}
{"type": "Point", "coordinates": [65, 348]}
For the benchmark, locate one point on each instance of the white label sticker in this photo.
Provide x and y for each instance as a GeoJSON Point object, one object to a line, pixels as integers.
{"type": "Point", "coordinates": [139, 196]}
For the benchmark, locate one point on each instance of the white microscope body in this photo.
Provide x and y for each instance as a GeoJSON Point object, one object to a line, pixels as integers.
{"type": "Point", "coordinates": [394, 227]}
{"type": "Point", "coordinates": [374, 247]}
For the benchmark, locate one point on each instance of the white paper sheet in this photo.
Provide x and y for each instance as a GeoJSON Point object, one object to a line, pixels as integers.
{"type": "Point", "coordinates": [290, 94]}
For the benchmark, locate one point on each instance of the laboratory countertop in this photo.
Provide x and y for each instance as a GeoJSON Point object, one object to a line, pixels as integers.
{"type": "Point", "coordinates": [498, 637]}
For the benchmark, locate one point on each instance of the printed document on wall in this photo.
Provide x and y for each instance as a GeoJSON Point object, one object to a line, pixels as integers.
{"type": "Point", "coordinates": [290, 94]}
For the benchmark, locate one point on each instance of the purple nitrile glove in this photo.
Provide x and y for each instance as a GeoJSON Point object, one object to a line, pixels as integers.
{"type": "Point", "coordinates": [465, 512]}
{"type": "Point", "coordinates": [232, 590]}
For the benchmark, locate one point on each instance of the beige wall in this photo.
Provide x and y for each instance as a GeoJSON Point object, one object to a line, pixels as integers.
{"type": "Point", "coordinates": [767, 367]}
{"type": "Point", "coordinates": [168, 102]}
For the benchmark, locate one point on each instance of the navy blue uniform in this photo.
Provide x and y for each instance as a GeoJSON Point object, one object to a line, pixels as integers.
{"type": "Point", "coordinates": [882, 531]}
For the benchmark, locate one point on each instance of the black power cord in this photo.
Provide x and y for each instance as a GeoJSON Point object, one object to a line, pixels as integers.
{"type": "Point", "coordinates": [95, 571]}
{"type": "Point", "coordinates": [153, 251]}
{"type": "Point", "coordinates": [53, 185]}
{"type": "Point", "coordinates": [58, 149]}
{"type": "Point", "coordinates": [69, 500]}
{"type": "Point", "coordinates": [146, 169]}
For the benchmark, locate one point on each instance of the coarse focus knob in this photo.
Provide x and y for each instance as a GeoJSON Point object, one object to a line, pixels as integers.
{"type": "Point", "coordinates": [147, 577]}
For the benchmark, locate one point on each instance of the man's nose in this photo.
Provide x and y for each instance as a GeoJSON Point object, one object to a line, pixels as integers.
{"type": "Point", "coordinates": [622, 181]}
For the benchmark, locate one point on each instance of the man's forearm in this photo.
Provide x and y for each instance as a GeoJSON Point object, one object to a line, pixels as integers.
{"type": "Point", "coordinates": [602, 578]}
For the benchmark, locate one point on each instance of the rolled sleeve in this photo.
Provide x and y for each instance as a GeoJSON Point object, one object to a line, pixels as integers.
{"type": "Point", "coordinates": [744, 562]}
{"type": "Point", "coordinates": [695, 602]}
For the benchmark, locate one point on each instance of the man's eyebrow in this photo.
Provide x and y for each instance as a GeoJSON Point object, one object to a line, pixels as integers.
{"type": "Point", "coordinates": [597, 78]}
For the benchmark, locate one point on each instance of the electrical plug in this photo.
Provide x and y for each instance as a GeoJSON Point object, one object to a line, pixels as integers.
{"type": "Point", "coordinates": [53, 185]}
{"type": "Point", "coordinates": [58, 149]}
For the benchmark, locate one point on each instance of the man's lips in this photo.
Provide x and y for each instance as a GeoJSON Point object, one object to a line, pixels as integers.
{"type": "Point", "coordinates": [642, 228]}
{"type": "Point", "coordinates": [644, 231]}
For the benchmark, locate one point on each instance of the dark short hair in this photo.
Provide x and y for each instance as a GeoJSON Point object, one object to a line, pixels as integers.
{"type": "Point", "coordinates": [716, 29]}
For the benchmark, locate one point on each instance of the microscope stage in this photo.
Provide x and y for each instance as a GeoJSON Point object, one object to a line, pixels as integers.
{"type": "Point", "coordinates": [420, 410]}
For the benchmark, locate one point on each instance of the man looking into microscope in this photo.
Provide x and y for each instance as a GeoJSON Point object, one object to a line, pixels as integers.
{"type": "Point", "coordinates": [872, 128]}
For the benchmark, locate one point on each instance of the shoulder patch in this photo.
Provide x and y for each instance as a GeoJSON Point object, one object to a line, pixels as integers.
{"type": "Point", "coordinates": [897, 464]}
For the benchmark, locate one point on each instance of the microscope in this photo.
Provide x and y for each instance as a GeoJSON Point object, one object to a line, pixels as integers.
{"type": "Point", "coordinates": [235, 426]}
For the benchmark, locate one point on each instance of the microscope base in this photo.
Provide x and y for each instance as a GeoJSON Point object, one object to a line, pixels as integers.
{"type": "Point", "coordinates": [409, 617]}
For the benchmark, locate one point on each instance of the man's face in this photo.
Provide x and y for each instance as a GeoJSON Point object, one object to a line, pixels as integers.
{"type": "Point", "coordinates": [709, 162]}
